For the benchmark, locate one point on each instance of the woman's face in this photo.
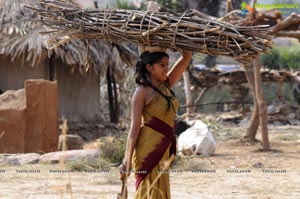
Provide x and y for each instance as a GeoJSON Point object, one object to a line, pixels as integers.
{"type": "Point", "coordinates": [159, 70]}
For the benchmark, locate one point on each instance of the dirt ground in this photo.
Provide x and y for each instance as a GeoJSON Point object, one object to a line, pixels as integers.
{"type": "Point", "coordinates": [235, 171]}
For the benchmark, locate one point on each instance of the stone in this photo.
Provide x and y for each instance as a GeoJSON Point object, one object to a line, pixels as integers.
{"type": "Point", "coordinates": [27, 158]}
{"type": "Point", "coordinates": [11, 161]}
{"type": "Point", "coordinates": [71, 155]}
{"type": "Point", "coordinates": [258, 165]}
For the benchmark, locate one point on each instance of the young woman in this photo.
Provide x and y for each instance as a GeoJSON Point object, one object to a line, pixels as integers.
{"type": "Point", "coordinates": [151, 138]}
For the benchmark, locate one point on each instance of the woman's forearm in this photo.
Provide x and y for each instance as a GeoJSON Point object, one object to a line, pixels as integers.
{"type": "Point", "coordinates": [131, 142]}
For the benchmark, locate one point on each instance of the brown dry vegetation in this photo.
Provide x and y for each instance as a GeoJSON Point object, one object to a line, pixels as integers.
{"type": "Point", "coordinates": [281, 179]}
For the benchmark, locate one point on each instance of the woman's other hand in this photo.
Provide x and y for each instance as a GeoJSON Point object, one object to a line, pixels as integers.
{"type": "Point", "coordinates": [124, 171]}
{"type": "Point", "coordinates": [187, 53]}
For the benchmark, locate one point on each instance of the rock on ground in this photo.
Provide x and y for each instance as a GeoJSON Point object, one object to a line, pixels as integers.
{"type": "Point", "coordinates": [54, 157]}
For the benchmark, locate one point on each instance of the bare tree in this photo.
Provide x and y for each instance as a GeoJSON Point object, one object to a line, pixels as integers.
{"type": "Point", "coordinates": [112, 92]}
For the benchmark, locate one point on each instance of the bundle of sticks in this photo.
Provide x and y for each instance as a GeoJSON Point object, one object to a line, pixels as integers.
{"type": "Point", "coordinates": [192, 30]}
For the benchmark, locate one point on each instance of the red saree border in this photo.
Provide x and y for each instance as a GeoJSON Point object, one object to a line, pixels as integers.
{"type": "Point", "coordinates": [154, 157]}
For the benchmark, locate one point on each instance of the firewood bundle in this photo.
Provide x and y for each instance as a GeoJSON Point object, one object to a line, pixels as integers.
{"type": "Point", "coordinates": [192, 30]}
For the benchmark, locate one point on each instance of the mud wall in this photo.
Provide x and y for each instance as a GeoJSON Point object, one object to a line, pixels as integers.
{"type": "Point", "coordinates": [29, 119]}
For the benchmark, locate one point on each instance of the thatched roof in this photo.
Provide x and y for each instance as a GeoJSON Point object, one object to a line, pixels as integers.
{"type": "Point", "coordinates": [20, 38]}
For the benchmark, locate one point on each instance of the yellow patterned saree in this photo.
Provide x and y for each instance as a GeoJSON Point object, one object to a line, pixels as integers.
{"type": "Point", "coordinates": [155, 144]}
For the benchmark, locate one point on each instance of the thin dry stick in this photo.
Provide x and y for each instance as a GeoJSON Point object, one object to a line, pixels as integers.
{"type": "Point", "coordinates": [192, 31]}
{"type": "Point", "coordinates": [68, 187]}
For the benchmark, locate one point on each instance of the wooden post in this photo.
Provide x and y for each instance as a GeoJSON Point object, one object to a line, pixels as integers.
{"type": "Point", "coordinates": [52, 76]}
{"type": "Point", "coordinates": [188, 96]}
{"type": "Point", "coordinates": [262, 105]}
{"type": "Point", "coordinates": [229, 7]}
{"type": "Point", "coordinates": [254, 121]}
{"type": "Point", "coordinates": [115, 96]}
{"type": "Point", "coordinates": [110, 94]}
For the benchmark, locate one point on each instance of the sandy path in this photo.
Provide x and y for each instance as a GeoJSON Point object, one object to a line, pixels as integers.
{"type": "Point", "coordinates": [186, 185]}
{"type": "Point", "coordinates": [222, 184]}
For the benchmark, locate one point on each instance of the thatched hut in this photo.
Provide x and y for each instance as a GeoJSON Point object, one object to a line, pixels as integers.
{"type": "Point", "coordinates": [77, 65]}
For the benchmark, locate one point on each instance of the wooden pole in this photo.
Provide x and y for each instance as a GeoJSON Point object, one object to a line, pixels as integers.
{"type": "Point", "coordinates": [262, 106]}
{"type": "Point", "coordinates": [254, 121]}
{"type": "Point", "coordinates": [188, 96]}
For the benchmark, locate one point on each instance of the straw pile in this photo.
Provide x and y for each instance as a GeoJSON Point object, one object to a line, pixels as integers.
{"type": "Point", "coordinates": [192, 31]}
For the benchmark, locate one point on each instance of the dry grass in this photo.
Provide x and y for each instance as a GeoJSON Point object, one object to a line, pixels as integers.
{"type": "Point", "coordinates": [83, 164]}
{"type": "Point", "coordinates": [188, 163]}
{"type": "Point", "coordinates": [92, 145]}
{"type": "Point", "coordinates": [80, 165]}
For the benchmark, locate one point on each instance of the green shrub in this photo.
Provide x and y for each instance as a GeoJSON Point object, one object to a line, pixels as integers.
{"type": "Point", "coordinates": [113, 148]}
{"type": "Point", "coordinates": [271, 60]}
{"type": "Point", "coordinates": [282, 58]}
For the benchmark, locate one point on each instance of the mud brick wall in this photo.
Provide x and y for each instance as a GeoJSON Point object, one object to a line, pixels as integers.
{"type": "Point", "coordinates": [12, 128]}
{"type": "Point", "coordinates": [41, 116]}
{"type": "Point", "coordinates": [30, 128]}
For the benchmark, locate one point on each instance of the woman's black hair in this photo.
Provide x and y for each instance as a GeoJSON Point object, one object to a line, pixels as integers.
{"type": "Point", "coordinates": [143, 77]}
{"type": "Point", "coordinates": [141, 71]}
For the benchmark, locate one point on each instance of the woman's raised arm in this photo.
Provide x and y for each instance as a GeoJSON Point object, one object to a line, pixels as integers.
{"type": "Point", "coordinates": [179, 67]}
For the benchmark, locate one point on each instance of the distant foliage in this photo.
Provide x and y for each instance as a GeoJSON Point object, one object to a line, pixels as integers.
{"type": "Point", "coordinates": [124, 4]}
{"type": "Point", "coordinates": [272, 60]}
{"type": "Point", "coordinates": [175, 5]}
{"type": "Point", "coordinates": [282, 58]}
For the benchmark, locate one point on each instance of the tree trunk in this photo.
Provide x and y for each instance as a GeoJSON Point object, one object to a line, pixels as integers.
{"type": "Point", "coordinates": [229, 7]}
{"type": "Point", "coordinates": [261, 105]}
{"type": "Point", "coordinates": [279, 90]}
{"type": "Point", "coordinates": [254, 121]}
{"type": "Point", "coordinates": [110, 95]}
{"type": "Point", "coordinates": [116, 100]}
